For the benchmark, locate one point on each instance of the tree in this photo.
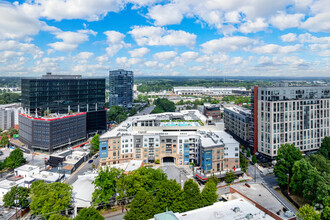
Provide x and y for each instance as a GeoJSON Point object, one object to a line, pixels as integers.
{"type": "Point", "coordinates": [90, 214]}
{"type": "Point", "coordinates": [169, 196]}
{"type": "Point", "coordinates": [95, 143]}
{"type": "Point", "coordinates": [311, 183]}
{"type": "Point", "coordinates": [214, 179]}
{"type": "Point", "coordinates": [230, 176]}
{"type": "Point", "coordinates": [142, 207]}
{"type": "Point", "coordinates": [299, 170]}
{"type": "Point", "coordinates": [143, 178]}
{"type": "Point", "coordinates": [4, 141]}
{"type": "Point", "coordinates": [254, 159]}
{"type": "Point", "coordinates": [320, 162]}
{"type": "Point", "coordinates": [324, 150]}
{"type": "Point", "coordinates": [287, 155]}
{"type": "Point", "coordinates": [209, 194]}
{"type": "Point", "coordinates": [243, 163]}
{"type": "Point", "coordinates": [50, 197]}
{"type": "Point", "coordinates": [248, 153]}
{"type": "Point", "coordinates": [163, 105]}
{"type": "Point", "coordinates": [114, 111]}
{"type": "Point", "coordinates": [58, 217]}
{"type": "Point", "coordinates": [307, 212]}
{"type": "Point", "coordinates": [191, 195]}
{"type": "Point", "coordinates": [105, 185]}
{"type": "Point", "coordinates": [22, 197]}
{"type": "Point", "coordinates": [15, 159]}
{"type": "Point", "coordinates": [12, 131]}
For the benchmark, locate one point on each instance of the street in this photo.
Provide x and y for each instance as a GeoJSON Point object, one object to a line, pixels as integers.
{"type": "Point", "coordinates": [82, 169]}
{"type": "Point", "coordinates": [146, 110]}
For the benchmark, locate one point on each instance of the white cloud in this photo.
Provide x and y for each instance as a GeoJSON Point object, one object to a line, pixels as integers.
{"type": "Point", "coordinates": [17, 24]}
{"type": "Point", "coordinates": [275, 49]}
{"type": "Point", "coordinates": [226, 44]}
{"type": "Point", "coordinates": [290, 37]}
{"type": "Point", "coordinates": [128, 62]}
{"type": "Point", "coordinates": [253, 26]}
{"type": "Point", "coordinates": [83, 57]}
{"type": "Point", "coordinates": [73, 9]}
{"type": "Point", "coordinates": [167, 55]}
{"type": "Point", "coordinates": [158, 36]}
{"type": "Point", "coordinates": [319, 17]}
{"type": "Point", "coordinates": [70, 40]}
{"type": "Point", "coordinates": [139, 52]}
{"type": "Point", "coordinates": [165, 15]}
{"type": "Point", "coordinates": [29, 48]}
{"type": "Point", "coordinates": [189, 56]}
{"type": "Point", "coordinates": [115, 42]}
{"type": "Point", "coordinates": [284, 21]}
{"type": "Point", "coordinates": [151, 64]}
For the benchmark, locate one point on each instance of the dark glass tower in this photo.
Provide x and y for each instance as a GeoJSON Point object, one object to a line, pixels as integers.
{"type": "Point", "coordinates": [121, 88]}
{"type": "Point", "coordinates": [66, 93]}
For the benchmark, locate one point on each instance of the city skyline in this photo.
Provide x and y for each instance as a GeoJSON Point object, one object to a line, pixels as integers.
{"type": "Point", "coordinates": [165, 38]}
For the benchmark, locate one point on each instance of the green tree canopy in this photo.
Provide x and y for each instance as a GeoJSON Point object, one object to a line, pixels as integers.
{"type": "Point", "coordinates": [307, 212]}
{"type": "Point", "coordinates": [50, 197]}
{"type": "Point", "coordinates": [57, 216]}
{"type": "Point", "coordinates": [230, 176]}
{"type": "Point", "coordinates": [163, 105]}
{"type": "Point", "coordinates": [95, 143]}
{"type": "Point", "coordinates": [142, 207]}
{"type": "Point", "coordinates": [311, 183]}
{"type": "Point", "coordinates": [324, 150]}
{"type": "Point", "coordinates": [191, 195]}
{"type": "Point", "coordinates": [169, 196]}
{"type": "Point", "coordinates": [4, 141]}
{"type": "Point", "coordinates": [299, 171]}
{"type": "Point", "coordinates": [143, 178]}
{"type": "Point", "coordinates": [90, 214]}
{"type": "Point", "coordinates": [15, 159]}
{"type": "Point", "coordinates": [114, 112]}
{"type": "Point", "coordinates": [22, 194]}
{"type": "Point", "coordinates": [254, 159]}
{"type": "Point", "coordinates": [105, 185]}
{"type": "Point", "coordinates": [287, 155]}
{"type": "Point", "coordinates": [209, 194]}
{"type": "Point", "coordinates": [320, 163]}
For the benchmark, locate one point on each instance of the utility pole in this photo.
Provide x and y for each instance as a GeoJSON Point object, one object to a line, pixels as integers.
{"type": "Point", "coordinates": [255, 173]}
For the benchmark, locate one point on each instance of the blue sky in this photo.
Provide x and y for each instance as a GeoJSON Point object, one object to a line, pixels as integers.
{"type": "Point", "coordinates": [165, 38]}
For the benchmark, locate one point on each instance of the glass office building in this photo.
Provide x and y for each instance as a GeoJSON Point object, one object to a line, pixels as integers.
{"type": "Point", "coordinates": [121, 88]}
{"type": "Point", "coordinates": [66, 93]}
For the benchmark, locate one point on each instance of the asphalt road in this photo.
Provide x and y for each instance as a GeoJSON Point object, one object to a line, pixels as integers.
{"type": "Point", "coordinates": [146, 110]}
{"type": "Point", "coordinates": [85, 167]}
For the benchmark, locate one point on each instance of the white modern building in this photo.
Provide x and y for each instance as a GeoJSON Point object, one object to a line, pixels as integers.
{"type": "Point", "coordinates": [26, 170]}
{"type": "Point", "coordinates": [297, 115]}
{"type": "Point", "coordinates": [211, 91]}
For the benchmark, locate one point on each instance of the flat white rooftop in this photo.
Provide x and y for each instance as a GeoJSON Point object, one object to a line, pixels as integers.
{"type": "Point", "coordinates": [26, 168]}
{"type": "Point", "coordinates": [83, 189]}
{"type": "Point", "coordinates": [238, 209]}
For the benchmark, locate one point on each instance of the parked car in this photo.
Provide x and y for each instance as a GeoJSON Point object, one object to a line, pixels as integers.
{"type": "Point", "coordinates": [91, 161]}
{"type": "Point", "coordinates": [1, 153]}
{"type": "Point", "coordinates": [95, 156]}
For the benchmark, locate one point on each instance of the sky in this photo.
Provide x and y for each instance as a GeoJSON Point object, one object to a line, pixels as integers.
{"type": "Point", "coordinates": [165, 38]}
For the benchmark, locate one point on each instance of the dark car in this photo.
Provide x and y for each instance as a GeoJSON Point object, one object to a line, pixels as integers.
{"type": "Point", "coordinates": [91, 161]}
{"type": "Point", "coordinates": [1, 153]}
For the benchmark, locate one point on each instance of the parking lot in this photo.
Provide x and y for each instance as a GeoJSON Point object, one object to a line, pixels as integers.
{"type": "Point", "coordinates": [180, 174]}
